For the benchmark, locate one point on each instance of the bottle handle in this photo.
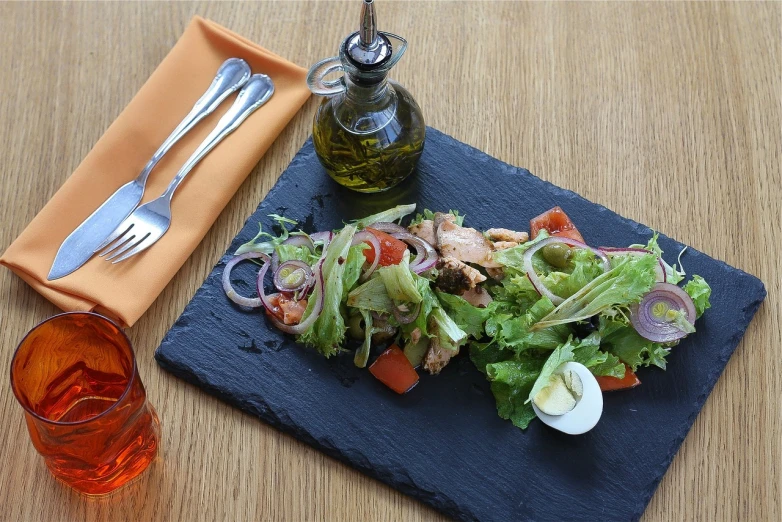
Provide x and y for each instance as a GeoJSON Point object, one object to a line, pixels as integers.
{"type": "Point", "coordinates": [317, 73]}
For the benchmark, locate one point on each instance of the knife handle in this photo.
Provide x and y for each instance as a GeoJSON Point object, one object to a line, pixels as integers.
{"type": "Point", "coordinates": [255, 93]}
{"type": "Point", "coordinates": [231, 76]}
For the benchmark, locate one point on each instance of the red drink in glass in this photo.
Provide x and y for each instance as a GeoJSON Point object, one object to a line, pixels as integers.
{"type": "Point", "coordinates": [88, 416]}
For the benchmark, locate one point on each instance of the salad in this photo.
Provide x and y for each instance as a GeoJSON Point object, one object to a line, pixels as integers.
{"type": "Point", "coordinates": [549, 320]}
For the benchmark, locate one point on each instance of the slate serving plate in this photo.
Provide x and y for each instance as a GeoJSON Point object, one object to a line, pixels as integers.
{"type": "Point", "coordinates": [443, 443]}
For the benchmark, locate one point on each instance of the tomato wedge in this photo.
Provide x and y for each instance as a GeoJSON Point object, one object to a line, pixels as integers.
{"type": "Point", "coordinates": [556, 222]}
{"type": "Point", "coordinates": [630, 380]}
{"type": "Point", "coordinates": [394, 370]}
{"type": "Point", "coordinates": [391, 249]}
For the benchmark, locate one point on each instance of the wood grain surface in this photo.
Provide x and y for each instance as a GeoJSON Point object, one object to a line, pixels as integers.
{"type": "Point", "coordinates": [668, 113]}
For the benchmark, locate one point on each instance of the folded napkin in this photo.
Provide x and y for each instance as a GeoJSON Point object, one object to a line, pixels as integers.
{"type": "Point", "coordinates": [125, 290]}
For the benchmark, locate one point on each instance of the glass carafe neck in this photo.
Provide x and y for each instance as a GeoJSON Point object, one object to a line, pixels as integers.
{"type": "Point", "coordinates": [359, 91]}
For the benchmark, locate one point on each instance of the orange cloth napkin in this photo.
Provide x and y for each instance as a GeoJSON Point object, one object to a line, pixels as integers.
{"type": "Point", "coordinates": [125, 290]}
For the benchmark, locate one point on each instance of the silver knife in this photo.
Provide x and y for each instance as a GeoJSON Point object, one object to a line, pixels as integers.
{"type": "Point", "coordinates": [80, 245]}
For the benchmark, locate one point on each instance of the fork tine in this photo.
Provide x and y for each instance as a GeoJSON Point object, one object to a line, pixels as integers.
{"type": "Point", "coordinates": [135, 241]}
{"type": "Point", "coordinates": [119, 243]}
{"type": "Point", "coordinates": [121, 230]}
{"type": "Point", "coordinates": [145, 243]}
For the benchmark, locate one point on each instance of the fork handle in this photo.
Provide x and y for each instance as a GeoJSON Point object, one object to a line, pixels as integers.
{"type": "Point", "coordinates": [255, 93]}
{"type": "Point", "coordinates": [231, 75]}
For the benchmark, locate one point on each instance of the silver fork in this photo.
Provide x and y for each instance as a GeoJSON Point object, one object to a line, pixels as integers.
{"type": "Point", "coordinates": [150, 221]}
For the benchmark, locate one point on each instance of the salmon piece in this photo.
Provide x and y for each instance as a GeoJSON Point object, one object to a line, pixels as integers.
{"type": "Point", "coordinates": [465, 244]}
{"type": "Point", "coordinates": [424, 230]}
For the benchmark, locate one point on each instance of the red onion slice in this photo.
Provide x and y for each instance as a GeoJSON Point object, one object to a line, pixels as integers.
{"type": "Point", "coordinates": [649, 317]}
{"type": "Point", "coordinates": [388, 228]}
{"type": "Point", "coordinates": [300, 240]}
{"type": "Point", "coordinates": [537, 283]}
{"type": "Point", "coordinates": [659, 270]}
{"type": "Point", "coordinates": [283, 280]}
{"type": "Point", "coordinates": [249, 302]}
{"type": "Point", "coordinates": [425, 254]}
{"type": "Point", "coordinates": [322, 237]}
{"type": "Point", "coordinates": [316, 310]}
{"type": "Point", "coordinates": [364, 236]}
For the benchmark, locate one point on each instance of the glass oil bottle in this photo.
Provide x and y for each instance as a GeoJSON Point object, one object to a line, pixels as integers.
{"type": "Point", "coordinates": [368, 130]}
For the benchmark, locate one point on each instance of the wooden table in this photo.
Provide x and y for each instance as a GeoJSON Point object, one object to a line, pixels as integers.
{"type": "Point", "coordinates": [667, 113]}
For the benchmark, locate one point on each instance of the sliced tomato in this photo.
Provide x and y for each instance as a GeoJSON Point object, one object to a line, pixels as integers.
{"type": "Point", "coordinates": [394, 370]}
{"type": "Point", "coordinates": [292, 309]}
{"type": "Point", "coordinates": [556, 222]}
{"type": "Point", "coordinates": [285, 309]}
{"type": "Point", "coordinates": [391, 249]}
{"type": "Point", "coordinates": [630, 380]}
{"type": "Point", "coordinates": [276, 311]}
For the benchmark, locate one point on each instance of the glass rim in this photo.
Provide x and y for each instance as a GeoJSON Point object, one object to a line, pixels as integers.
{"type": "Point", "coordinates": [133, 375]}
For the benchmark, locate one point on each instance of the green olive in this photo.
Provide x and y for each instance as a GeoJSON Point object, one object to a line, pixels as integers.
{"type": "Point", "coordinates": [557, 254]}
{"type": "Point", "coordinates": [356, 327]}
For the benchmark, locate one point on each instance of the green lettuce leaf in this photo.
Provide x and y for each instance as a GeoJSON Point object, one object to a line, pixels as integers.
{"type": "Point", "coordinates": [558, 357]}
{"type": "Point", "coordinates": [328, 332]}
{"type": "Point", "coordinates": [415, 352]}
{"type": "Point", "coordinates": [428, 214]}
{"type": "Point", "coordinates": [399, 281]}
{"type": "Point", "coordinates": [511, 384]}
{"type": "Point", "coordinates": [514, 293]}
{"type": "Point", "coordinates": [362, 354]}
{"type": "Point", "coordinates": [621, 340]}
{"type": "Point", "coordinates": [599, 363]}
{"type": "Point", "coordinates": [468, 317]}
{"type": "Point", "coordinates": [672, 274]}
{"type": "Point", "coordinates": [623, 285]}
{"type": "Point", "coordinates": [387, 216]}
{"type": "Point", "coordinates": [583, 268]}
{"type": "Point", "coordinates": [700, 291]}
{"type": "Point", "coordinates": [257, 244]}
{"type": "Point", "coordinates": [446, 330]}
{"type": "Point", "coordinates": [428, 303]}
{"type": "Point", "coordinates": [353, 263]}
{"type": "Point", "coordinates": [300, 253]}
{"type": "Point", "coordinates": [515, 331]}
{"type": "Point", "coordinates": [514, 257]}
{"type": "Point", "coordinates": [371, 295]}
{"type": "Point", "coordinates": [679, 318]}
{"type": "Point", "coordinates": [483, 354]}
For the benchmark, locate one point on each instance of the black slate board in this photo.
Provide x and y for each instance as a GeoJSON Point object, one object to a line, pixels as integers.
{"type": "Point", "coordinates": [443, 443]}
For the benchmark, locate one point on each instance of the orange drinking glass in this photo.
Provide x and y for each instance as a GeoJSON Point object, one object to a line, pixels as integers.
{"type": "Point", "coordinates": [88, 416]}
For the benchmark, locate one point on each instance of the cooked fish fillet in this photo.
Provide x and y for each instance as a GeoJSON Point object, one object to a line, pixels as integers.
{"type": "Point", "coordinates": [465, 244]}
{"type": "Point", "coordinates": [477, 297]}
{"type": "Point", "coordinates": [455, 277]}
{"type": "Point", "coordinates": [503, 245]}
{"type": "Point", "coordinates": [437, 357]}
{"type": "Point", "coordinates": [424, 230]}
{"type": "Point", "coordinates": [504, 234]}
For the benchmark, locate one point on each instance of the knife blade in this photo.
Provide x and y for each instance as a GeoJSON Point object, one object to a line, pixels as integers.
{"type": "Point", "coordinates": [80, 245]}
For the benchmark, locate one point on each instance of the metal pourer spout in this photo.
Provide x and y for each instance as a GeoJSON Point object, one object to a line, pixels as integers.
{"type": "Point", "coordinates": [368, 30]}
{"type": "Point", "coordinates": [367, 48]}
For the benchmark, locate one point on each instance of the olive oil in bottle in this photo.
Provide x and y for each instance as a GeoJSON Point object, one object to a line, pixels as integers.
{"type": "Point", "coordinates": [369, 131]}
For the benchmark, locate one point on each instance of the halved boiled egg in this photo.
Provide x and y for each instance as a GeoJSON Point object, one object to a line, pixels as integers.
{"type": "Point", "coordinates": [572, 402]}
